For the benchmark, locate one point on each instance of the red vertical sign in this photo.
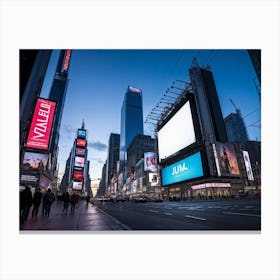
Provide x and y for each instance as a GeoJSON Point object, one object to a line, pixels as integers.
{"type": "Point", "coordinates": [66, 60]}
{"type": "Point", "coordinates": [40, 129]}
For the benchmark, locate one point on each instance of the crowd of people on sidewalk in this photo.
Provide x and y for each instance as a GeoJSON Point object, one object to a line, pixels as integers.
{"type": "Point", "coordinates": [46, 198]}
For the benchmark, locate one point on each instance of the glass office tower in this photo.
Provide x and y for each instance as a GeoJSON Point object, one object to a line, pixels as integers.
{"type": "Point", "coordinates": [131, 122]}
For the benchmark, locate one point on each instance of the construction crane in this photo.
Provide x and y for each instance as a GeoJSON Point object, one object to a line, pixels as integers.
{"type": "Point", "coordinates": [237, 110]}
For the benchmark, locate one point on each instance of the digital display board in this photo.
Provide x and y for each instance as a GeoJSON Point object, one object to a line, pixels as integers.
{"type": "Point", "coordinates": [77, 185]}
{"type": "Point", "coordinates": [227, 159]}
{"type": "Point", "coordinates": [79, 161]}
{"type": "Point", "coordinates": [180, 129]}
{"type": "Point", "coordinates": [80, 152]}
{"type": "Point", "coordinates": [41, 125]}
{"type": "Point", "coordinates": [34, 161]}
{"type": "Point", "coordinates": [66, 60]}
{"type": "Point", "coordinates": [185, 169]}
{"type": "Point", "coordinates": [150, 161]}
{"type": "Point", "coordinates": [248, 166]}
{"type": "Point", "coordinates": [81, 142]}
{"type": "Point", "coordinates": [29, 179]}
{"type": "Point", "coordinates": [153, 179]}
{"type": "Point", "coordinates": [78, 175]}
{"type": "Point", "coordinates": [82, 133]}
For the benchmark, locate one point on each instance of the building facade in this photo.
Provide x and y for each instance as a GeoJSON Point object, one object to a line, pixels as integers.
{"type": "Point", "coordinates": [58, 94]}
{"type": "Point", "coordinates": [112, 158]}
{"type": "Point", "coordinates": [76, 175]}
{"type": "Point", "coordinates": [138, 181]}
{"type": "Point", "coordinates": [236, 129]}
{"type": "Point", "coordinates": [131, 122]}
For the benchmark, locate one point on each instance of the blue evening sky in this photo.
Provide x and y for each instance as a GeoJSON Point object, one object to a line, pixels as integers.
{"type": "Point", "coordinates": [98, 80]}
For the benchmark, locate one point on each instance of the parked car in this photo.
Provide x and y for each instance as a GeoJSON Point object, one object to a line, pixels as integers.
{"type": "Point", "coordinates": [139, 199]}
{"type": "Point", "coordinates": [242, 194]}
{"type": "Point", "coordinates": [121, 199]}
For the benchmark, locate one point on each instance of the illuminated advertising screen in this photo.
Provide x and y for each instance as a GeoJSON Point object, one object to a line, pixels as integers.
{"type": "Point", "coordinates": [41, 125]}
{"type": "Point", "coordinates": [248, 166]}
{"type": "Point", "coordinates": [79, 161]}
{"type": "Point", "coordinates": [77, 185]}
{"type": "Point", "coordinates": [34, 161]}
{"type": "Point", "coordinates": [29, 179]}
{"type": "Point", "coordinates": [153, 179]}
{"type": "Point", "coordinates": [180, 129]}
{"type": "Point", "coordinates": [82, 133]}
{"type": "Point", "coordinates": [81, 142]}
{"type": "Point", "coordinates": [80, 152]}
{"type": "Point", "coordinates": [66, 60]}
{"type": "Point", "coordinates": [227, 159]}
{"type": "Point", "coordinates": [185, 169]}
{"type": "Point", "coordinates": [78, 175]}
{"type": "Point", "coordinates": [150, 161]}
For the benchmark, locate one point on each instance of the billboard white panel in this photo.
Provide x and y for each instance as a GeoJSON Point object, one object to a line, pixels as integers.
{"type": "Point", "coordinates": [177, 133]}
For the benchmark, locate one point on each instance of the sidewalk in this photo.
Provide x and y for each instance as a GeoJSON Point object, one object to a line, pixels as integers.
{"type": "Point", "coordinates": [85, 218]}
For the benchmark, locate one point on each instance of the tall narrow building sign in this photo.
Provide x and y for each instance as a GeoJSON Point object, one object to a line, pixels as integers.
{"type": "Point", "coordinates": [41, 125]}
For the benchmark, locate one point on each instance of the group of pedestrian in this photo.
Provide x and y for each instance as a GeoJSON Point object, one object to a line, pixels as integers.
{"type": "Point", "coordinates": [69, 200]}
{"type": "Point", "coordinates": [26, 201]}
{"type": "Point", "coordinates": [47, 199]}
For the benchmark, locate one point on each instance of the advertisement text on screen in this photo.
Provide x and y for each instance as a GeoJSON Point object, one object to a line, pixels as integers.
{"type": "Point", "coordinates": [41, 124]}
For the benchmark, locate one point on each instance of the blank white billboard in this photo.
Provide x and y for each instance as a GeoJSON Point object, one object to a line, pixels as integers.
{"type": "Point", "coordinates": [177, 133]}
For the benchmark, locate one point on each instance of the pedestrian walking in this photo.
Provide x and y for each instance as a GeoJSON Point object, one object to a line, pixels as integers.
{"type": "Point", "coordinates": [87, 199]}
{"type": "Point", "coordinates": [66, 201]}
{"type": "Point", "coordinates": [73, 201]}
{"type": "Point", "coordinates": [48, 199]}
{"type": "Point", "coordinates": [37, 198]}
{"type": "Point", "coordinates": [26, 203]}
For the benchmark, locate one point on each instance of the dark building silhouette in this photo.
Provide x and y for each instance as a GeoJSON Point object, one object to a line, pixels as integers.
{"type": "Point", "coordinates": [112, 158]}
{"type": "Point", "coordinates": [102, 185]}
{"type": "Point", "coordinates": [207, 101]}
{"type": "Point", "coordinates": [255, 56]}
{"type": "Point", "coordinates": [58, 94]}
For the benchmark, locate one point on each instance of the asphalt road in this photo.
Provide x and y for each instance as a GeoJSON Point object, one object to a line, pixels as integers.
{"type": "Point", "coordinates": [238, 214]}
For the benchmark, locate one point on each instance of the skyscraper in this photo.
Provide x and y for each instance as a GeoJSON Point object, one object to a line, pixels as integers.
{"type": "Point", "coordinates": [113, 157]}
{"type": "Point", "coordinates": [236, 129]}
{"type": "Point", "coordinates": [58, 93]}
{"type": "Point", "coordinates": [207, 101]}
{"type": "Point", "coordinates": [131, 122]}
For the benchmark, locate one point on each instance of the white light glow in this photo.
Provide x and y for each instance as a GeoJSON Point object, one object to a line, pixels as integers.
{"type": "Point", "coordinates": [176, 134]}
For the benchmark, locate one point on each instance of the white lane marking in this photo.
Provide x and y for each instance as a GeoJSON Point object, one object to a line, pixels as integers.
{"type": "Point", "coordinates": [155, 211]}
{"type": "Point", "coordinates": [241, 214]}
{"type": "Point", "coordinates": [114, 219]}
{"type": "Point", "coordinates": [193, 217]}
{"type": "Point", "coordinates": [168, 214]}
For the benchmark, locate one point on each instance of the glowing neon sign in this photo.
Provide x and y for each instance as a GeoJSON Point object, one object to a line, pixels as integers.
{"type": "Point", "coordinates": [40, 129]}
